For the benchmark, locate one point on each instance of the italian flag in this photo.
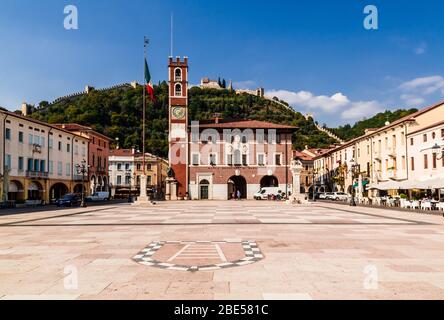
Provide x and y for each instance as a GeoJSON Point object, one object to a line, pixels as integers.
{"type": "Point", "coordinates": [149, 85]}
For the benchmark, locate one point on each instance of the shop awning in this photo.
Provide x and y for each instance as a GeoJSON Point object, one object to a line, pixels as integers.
{"type": "Point", "coordinates": [389, 185]}
{"type": "Point", "coordinates": [364, 183]}
{"type": "Point", "coordinates": [433, 183]}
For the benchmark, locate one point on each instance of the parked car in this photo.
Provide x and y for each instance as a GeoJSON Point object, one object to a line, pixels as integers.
{"type": "Point", "coordinates": [98, 196]}
{"type": "Point", "coordinates": [321, 195]}
{"type": "Point", "coordinates": [69, 200]}
{"type": "Point", "coordinates": [265, 193]}
{"type": "Point", "coordinates": [337, 196]}
{"type": "Point", "coordinates": [327, 196]}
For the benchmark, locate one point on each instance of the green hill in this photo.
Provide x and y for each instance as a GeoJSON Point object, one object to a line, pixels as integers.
{"type": "Point", "coordinates": [117, 113]}
{"type": "Point", "coordinates": [348, 132]}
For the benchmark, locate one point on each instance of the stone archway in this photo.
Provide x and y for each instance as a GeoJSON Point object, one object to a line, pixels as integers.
{"type": "Point", "coordinates": [15, 191]}
{"type": "Point", "coordinates": [105, 184]}
{"type": "Point", "coordinates": [35, 191]}
{"type": "Point", "coordinates": [269, 181]}
{"type": "Point", "coordinates": [58, 190]}
{"type": "Point", "coordinates": [78, 188]}
{"type": "Point", "coordinates": [236, 183]}
{"type": "Point", "coordinates": [99, 184]}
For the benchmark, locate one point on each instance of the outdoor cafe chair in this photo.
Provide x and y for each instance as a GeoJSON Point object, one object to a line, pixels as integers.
{"type": "Point", "coordinates": [415, 204]}
{"type": "Point", "coordinates": [426, 205]}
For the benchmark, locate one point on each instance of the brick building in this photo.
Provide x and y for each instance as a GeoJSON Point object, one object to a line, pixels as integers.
{"type": "Point", "coordinates": [227, 156]}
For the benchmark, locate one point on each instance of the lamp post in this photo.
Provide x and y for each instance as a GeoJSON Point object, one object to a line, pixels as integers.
{"type": "Point", "coordinates": [354, 168]}
{"type": "Point", "coordinates": [82, 169]}
{"type": "Point", "coordinates": [129, 177]}
{"type": "Point", "coordinates": [437, 147]}
{"type": "Point", "coordinates": [315, 172]}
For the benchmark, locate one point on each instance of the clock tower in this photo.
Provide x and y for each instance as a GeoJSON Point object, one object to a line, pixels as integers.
{"type": "Point", "coordinates": [178, 126]}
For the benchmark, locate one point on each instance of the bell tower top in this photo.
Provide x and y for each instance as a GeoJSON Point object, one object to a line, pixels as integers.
{"type": "Point", "coordinates": [178, 80]}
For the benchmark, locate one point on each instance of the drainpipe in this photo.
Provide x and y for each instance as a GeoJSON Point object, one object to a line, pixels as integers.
{"type": "Point", "coordinates": [4, 195]}
{"type": "Point", "coordinates": [47, 157]}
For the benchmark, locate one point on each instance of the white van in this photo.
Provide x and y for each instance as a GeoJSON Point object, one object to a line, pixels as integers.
{"type": "Point", "coordinates": [98, 196]}
{"type": "Point", "coordinates": [265, 192]}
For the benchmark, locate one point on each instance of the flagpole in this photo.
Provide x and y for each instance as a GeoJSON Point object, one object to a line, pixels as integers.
{"type": "Point", "coordinates": [145, 43]}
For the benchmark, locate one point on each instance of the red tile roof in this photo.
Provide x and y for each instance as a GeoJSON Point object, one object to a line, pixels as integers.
{"type": "Point", "coordinates": [302, 155]}
{"type": "Point", "coordinates": [79, 127]}
{"type": "Point", "coordinates": [121, 152]}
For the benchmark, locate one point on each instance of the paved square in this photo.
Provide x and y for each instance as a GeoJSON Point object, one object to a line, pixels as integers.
{"type": "Point", "coordinates": [318, 251]}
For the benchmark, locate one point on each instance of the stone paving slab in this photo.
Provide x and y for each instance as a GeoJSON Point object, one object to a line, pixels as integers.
{"type": "Point", "coordinates": [319, 251]}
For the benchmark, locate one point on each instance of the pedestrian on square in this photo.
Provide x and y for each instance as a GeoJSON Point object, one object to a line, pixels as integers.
{"type": "Point", "coordinates": [238, 193]}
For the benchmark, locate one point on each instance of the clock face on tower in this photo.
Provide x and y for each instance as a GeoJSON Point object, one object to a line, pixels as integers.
{"type": "Point", "coordinates": [178, 113]}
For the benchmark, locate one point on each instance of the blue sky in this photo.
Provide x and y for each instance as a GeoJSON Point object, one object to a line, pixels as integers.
{"type": "Point", "coordinates": [314, 54]}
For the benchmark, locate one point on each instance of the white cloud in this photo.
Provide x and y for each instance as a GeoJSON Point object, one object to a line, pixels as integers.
{"type": "Point", "coordinates": [307, 99]}
{"type": "Point", "coordinates": [337, 103]}
{"type": "Point", "coordinates": [424, 82]}
{"type": "Point", "coordinates": [412, 100]}
{"type": "Point", "coordinates": [417, 90]}
{"type": "Point", "coordinates": [362, 109]}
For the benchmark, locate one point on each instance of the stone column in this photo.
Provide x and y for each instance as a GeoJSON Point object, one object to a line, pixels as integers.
{"type": "Point", "coordinates": [296, 169]}
{"type": "Point", "coordinates": [142, 198]}
{"type": "Point", "coordinates": [171, 189]}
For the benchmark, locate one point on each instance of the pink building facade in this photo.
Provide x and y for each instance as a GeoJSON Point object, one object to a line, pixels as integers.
{"type": "Point", "coordinates": [230, 156]}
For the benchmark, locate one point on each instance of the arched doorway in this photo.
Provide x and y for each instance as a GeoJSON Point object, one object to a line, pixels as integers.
{"type": "Point", "coordinates": [105, 184]}
{"type": "Point", "coordinates": [204, 186]}
{"type": "Point", "coordinates": [15, 191]}
{"type": "Point", "coordinates": [269, 181]}
{"type": "Point", "coordinates": [78, 188]}
{"type": "Point", "coordinates": [236, 183]}
{"type": "Point", "coordinates": [35, 191]}
{"type": "Point", "coordinates": [99, 184]}
{"type": "Point", "coordinates": [58, 190]}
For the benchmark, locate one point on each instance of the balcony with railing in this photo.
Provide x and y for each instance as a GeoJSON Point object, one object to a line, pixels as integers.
{"type": "Point", "coordinates": [391, 151]}
{"type": "Point", "coordinates": [392, 173]}
{"type": "Point", "coordinates": [377, 154]}
{"type": "Point", "coordinates": [37, 174]}
{"type": "Point", "coordinates": [78, 177]}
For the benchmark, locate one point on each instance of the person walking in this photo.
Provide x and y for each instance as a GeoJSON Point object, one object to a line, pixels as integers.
{"type": "Point", "coordinates": [238, 194]}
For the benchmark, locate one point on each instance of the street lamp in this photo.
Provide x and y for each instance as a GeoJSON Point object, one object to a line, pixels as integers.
{"type": "Point", "coordinates": [315, 172]}
{"type": "Point", "coordinates": [436, 147]}
{"type": "Point", "coordinates": [129, 177]}
{"type": "Point", "coordinates": [82, 169]}
{"type": "Point", "coordinates": [354, 168]}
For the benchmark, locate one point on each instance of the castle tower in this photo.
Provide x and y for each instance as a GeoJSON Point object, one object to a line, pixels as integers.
{"type": "Point", "coordinates": [178, 124]}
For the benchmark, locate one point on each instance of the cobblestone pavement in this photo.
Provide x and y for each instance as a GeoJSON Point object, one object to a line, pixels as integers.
{"type": "Point", "coordinates": [317, 251]}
